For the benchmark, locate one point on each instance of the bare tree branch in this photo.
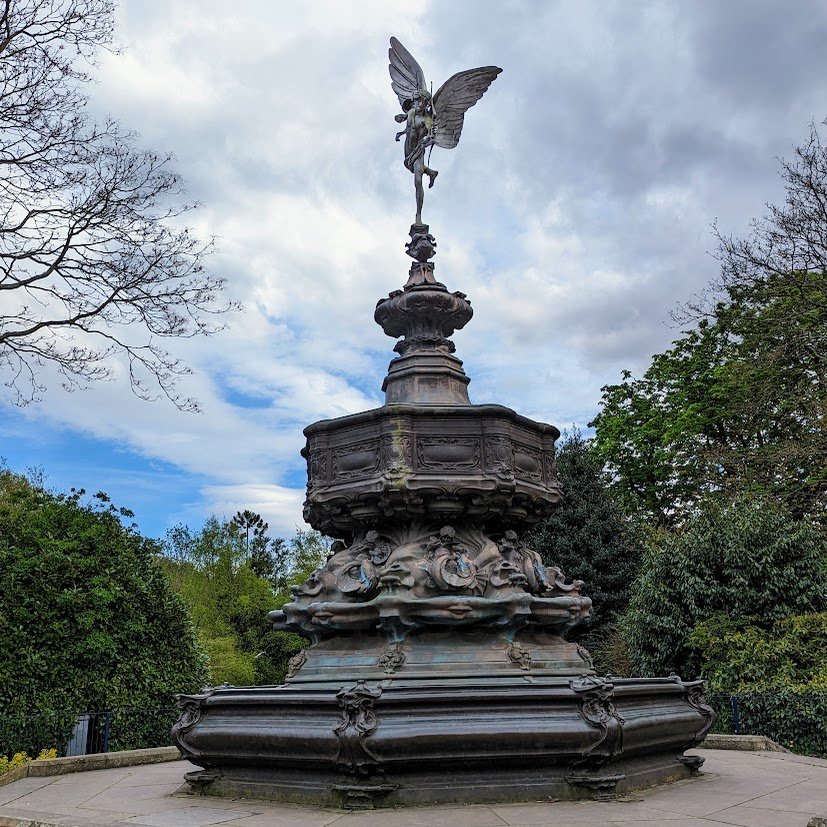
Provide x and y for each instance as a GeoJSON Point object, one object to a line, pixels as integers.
{"type": "Point", "coordinates": [91, 244]}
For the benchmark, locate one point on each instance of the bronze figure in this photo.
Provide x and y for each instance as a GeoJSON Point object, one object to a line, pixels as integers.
{"type": "Point", "coordinates": [431, 120]}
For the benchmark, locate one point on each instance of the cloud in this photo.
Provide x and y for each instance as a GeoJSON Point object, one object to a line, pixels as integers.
{"type": "Point", "coordinates": [575, 212]}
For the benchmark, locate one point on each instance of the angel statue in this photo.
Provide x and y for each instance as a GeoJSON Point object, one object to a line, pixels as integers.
{"type": "Point", "coordinates": [431, 120]}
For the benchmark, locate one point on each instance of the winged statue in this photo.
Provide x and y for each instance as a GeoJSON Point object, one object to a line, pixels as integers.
{"type": "Point", "coordinates": [431, 120]}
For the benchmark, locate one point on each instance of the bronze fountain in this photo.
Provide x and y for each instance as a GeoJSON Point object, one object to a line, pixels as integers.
{"type": "Point", "coordinates": [439, 669]}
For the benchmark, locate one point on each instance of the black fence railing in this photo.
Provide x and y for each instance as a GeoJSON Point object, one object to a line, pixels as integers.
{"type": "Point", "coordinates": [796, 721]}
{"type": "Point", "coordinates": [81, 733]}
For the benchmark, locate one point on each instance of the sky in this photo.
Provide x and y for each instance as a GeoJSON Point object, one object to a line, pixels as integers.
{"type": "Point", "coordinates": [576, 213]}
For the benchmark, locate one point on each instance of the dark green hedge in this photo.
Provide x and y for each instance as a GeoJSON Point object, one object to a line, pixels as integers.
{"type": "Point", "coordinates": [109, 731]}
{"type": "Point", "coordinates": [90, 620]}
{"type": "Point", "coordinates": [794, 720]}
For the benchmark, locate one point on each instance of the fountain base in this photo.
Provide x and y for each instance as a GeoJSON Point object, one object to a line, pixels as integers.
{"type": "Point", "coordinates": [484, 719]}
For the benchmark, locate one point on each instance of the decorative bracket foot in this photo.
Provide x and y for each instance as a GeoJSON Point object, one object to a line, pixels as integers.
{"type": "Point", "coordinates": [363, 796]}
{"type": "Point", "coordinates": [600, 784]}
{"type": "Point", "coordinates": [693, 762]}
{"type": "Point", "coordinates": [200, 780]}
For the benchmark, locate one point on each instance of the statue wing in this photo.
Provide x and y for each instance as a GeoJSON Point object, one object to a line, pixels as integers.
{"type": "Point", "coordinates": [407, 77]}
{"type": "Point", "coordinates": [454, 98]}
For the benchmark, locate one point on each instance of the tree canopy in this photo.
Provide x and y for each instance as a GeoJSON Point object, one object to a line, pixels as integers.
{"type": "Point", "coordinates": [230, 590]}
{"type": "Point", "coordinates": [94, 260]}
{"type": "Point", "coordinates": [749, 560]}
{"type": "Point", "coordinates": [91, 622]}
{"type": "Point", "coordinates": [719, 450]}
{"type": "Point", "coordinates": [738, 402]}
{"type": "Point", "coordinates": [587, 536]}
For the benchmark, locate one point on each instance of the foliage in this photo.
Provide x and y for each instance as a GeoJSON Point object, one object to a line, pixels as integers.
{"type": "Point", "coordinates": [776, 678]}
{"type": "Point", "coordinates": [208, 569]}
{"type": "Point", "coordinates": [227, 663]}
{"type": "Point", "coordinates": [90, 619]}
{"type": "Point", "coordinates": [115, 729]}
{"type": "Point", "coordinates": [655, 434]}
{"type": "Point", "coordinates": [20, 758]}
{"type": "Point", "coordinates": [742, 657]}
{"type": "Point", "coordinates": [230, 592]}
{"type": "Point", "coordinates": [93, 259]}
{"type": "Point", "coordinates": [587, 536]}
{"type": "Point", "coordinates": [749, 560]}
{"type": "Point", "coordinates": [137, 728]}
{"type": "Point", "coordinates": [17, 760]}
{"type": "Point", "coordinates": [250, 523]}
{"type": "Point", "coordinates": [308, 551]}
{"type": "Point", "coordinates": [737, 404]}
{"type": "Point", "coordinates": [610, 651]}
{"type": "Point", "coordinates": [299, 558]}
{"type": "Point", "coordinates": [793, 719]}
{"type": "Point", "coordinates": [29, 732]}
{"type": "Point", "coordinates": [277, 650]}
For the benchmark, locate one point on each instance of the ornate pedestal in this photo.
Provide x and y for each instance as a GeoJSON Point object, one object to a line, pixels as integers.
{"type": "Point", "coordinates": [439, 669]}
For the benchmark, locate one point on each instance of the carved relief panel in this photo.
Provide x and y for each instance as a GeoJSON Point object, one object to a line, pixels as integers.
{"type": "Point", "coordinates": [499, 457]}
{"type": "Point", "coordinates": [446, 453]}
{"type": "Point", "coordinates": [352, 461]}
{"type": "Point", "coordinates": [528, 462]}
{"type": "Point", "coordinates": [395, 453]}
{"type": "Point", "coordinates": [317, 467]}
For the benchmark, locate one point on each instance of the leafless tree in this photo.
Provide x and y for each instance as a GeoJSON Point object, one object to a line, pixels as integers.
{"type": "Point", "coordinates": [95, 262]}
{"type": "Point", "coordinates": [791, 239]}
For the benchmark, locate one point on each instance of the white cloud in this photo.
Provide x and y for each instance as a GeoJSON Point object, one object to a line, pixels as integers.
{"type": "Point", "coordinates": [575, 212]}
{"type": "Point", "coordinates": [280, 507]}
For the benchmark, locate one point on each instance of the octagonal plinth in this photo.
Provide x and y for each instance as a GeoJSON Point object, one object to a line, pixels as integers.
{"type": "Point", "coordinates": [407, 462]}
{"type": "Point", "coordinates": [384, 743]}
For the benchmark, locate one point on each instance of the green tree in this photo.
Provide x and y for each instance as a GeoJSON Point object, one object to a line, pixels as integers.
{"type": "Point", "coordinates": [308, 551]}
{"type": "Point", "coordinates": [293, 562]}
{"type": "Point", "coordinates": [657, 436]}
{"type": "Point", "coordinates": [588, 536]}
{"type": "Point", "coordinates": [739, 656]}
{"type": "Point", "coordinates": [737, 404]}
{"type": "Point", "coordinates": [250, 523]}
{"type": "Point", "coordinates": [209, 571]}
{"type": "Point", "coordinates": [749, 560]}
{"type": "Point", "coordinates": [90, 620]}
{"type": "Point", "coordinates": [778, 676]}
{"type": "Point", "coordinates": [229, 599]}
{"type": "Point", "coordinates": [270, 560]}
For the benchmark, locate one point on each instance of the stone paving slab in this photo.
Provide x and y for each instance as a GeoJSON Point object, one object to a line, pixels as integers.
{"type": "Point", "coordinates": [752, 789]}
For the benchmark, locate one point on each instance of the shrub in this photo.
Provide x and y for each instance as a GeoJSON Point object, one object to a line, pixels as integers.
{"type": "Point", "coordinates": [91, 621]}
{"type": "Point", "coordinates": [19, 758]}
{"type": "Point", "coordinates": [748, 560]}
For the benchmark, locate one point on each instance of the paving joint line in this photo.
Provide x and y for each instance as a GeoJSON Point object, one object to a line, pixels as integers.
{"type": "Point", "coordinates": [763, 795]}
{"type": "Point", "coordinates": [23, 795]}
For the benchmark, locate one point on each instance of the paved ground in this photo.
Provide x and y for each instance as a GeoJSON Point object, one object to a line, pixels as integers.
{"type": "Point", "coordinates": [754, 789]}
